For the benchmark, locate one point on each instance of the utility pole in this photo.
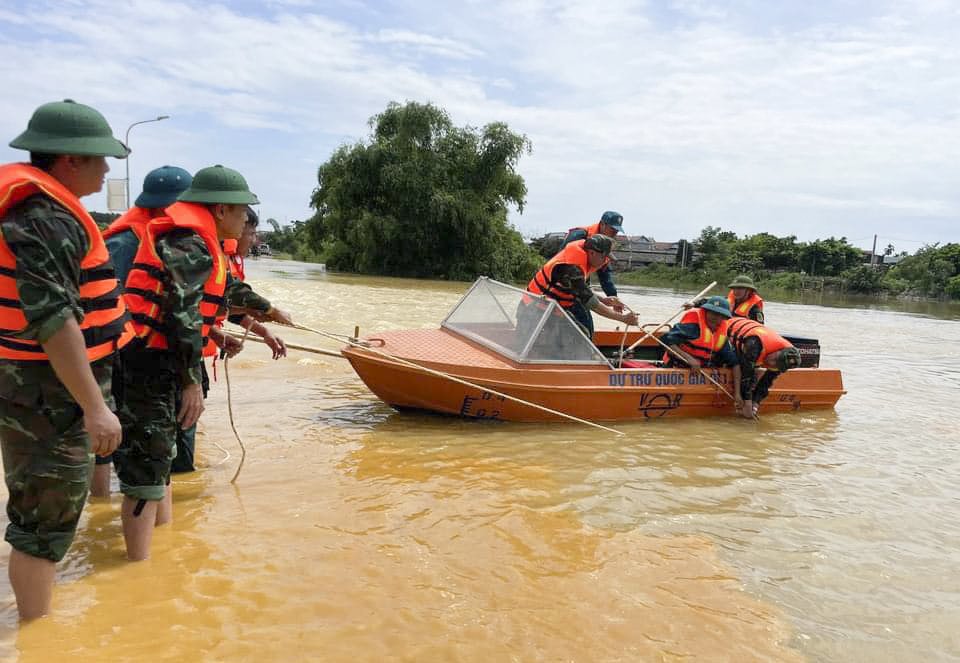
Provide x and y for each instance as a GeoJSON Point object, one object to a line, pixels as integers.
{"type": "Point", "coordinates": [873, 251]}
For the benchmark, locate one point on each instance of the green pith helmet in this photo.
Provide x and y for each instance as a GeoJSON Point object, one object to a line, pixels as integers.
{"type": "Point", "coordinates": [718, 305]}
{"type": "Point", "coordinates": [743, 281]}
{"type": "Point", "coordinates": [788, 358]}
{"type": "Point", "coordinates": [599, 243]}
{"type": "Point", "coordinates": [218, 184]}
{"type": "Point", "coordinates": [66, 127]}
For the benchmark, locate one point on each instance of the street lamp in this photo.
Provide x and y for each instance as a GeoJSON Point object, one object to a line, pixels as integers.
{"type": "Point", "coordinates": [126, 141]}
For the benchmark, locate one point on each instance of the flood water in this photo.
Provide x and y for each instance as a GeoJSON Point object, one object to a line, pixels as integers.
{"type": "Point", "coordinates": [356, 533]}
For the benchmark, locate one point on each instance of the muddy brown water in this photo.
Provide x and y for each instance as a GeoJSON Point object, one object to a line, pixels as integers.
{"type": "Point", "coordinates": [356, 533]}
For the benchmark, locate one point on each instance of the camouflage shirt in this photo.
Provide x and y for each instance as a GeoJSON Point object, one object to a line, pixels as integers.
{"type": "Point", "coordinates": [188, 264]}
{"type": "Point", "coordinates": [571, 278]}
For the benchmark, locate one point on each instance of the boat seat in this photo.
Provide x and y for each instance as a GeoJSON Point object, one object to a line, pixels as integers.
{"type": "Point", "coordinates": [633, 363]}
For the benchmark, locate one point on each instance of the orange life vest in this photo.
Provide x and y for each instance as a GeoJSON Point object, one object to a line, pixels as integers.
{"type": "Point", "coordinates": [105, 325]}
{"type": "Point", "coordinates": [709, 343]}
{"type": "Point", "coordinates": [740, 329]}
{"type": "Point", "coordinates": [134, 219]}
{"type": "Point", "coordinates": [542, 282]}
{"type": "Point", "coordinates": [742, 310]}
{"type": "Point", "coordinates": [235, 263]}
{"type": "Point", "coordinates": [590, 230]}
{"type": "Point", "coordinates": [230, 247]}
{"type": "Point", "coordinates": [144, 291]}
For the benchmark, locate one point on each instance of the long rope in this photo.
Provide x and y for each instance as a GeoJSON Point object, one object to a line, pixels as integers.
{"type": "Point", "coordinates": [460, 381]}
{"type": "Point", "coordinates": [233, 425]}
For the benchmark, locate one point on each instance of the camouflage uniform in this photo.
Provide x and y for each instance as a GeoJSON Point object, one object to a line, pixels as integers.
{"type": "Point", "coordinates": [122, 248]}
{"type": "Point", "coordinates": [47, 455]}
{"type": "Point", "coordinates": [237, 294]}
{"type": "Point", "coordinates": [151, 377]}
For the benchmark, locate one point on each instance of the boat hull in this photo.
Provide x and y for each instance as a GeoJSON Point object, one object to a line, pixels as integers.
{"type": "Point", "coordinates": [593, 392]}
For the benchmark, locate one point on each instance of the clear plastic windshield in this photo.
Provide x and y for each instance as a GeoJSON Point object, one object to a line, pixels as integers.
{"type": "Point", "coordinates": [521, 326]}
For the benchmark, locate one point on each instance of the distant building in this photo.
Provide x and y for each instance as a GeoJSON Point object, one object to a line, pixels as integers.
{"type": "Point", "coordinates": [879, 259]}
{"type": "Point", "coordinates": [636, 251]}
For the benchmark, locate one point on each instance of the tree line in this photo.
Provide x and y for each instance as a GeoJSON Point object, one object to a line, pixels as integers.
{"type": "Point", "coordinates": [783, 263]}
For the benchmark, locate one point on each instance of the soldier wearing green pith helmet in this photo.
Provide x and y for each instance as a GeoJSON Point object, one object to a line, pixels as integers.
{"type": "Point", "coordinates": [61, 322]}
{"type": "Point", "coordinates": [177, 290]}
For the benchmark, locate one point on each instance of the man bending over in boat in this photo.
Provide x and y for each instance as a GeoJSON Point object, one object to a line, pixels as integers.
{"type": "Point", "coordinates": [759, 347]}
{"type": "Point", "coordinates": [564, 278]}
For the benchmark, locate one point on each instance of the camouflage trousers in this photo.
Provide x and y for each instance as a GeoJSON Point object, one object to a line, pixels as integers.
{"type": "Point", "coordinates": [46, 456]}
{"type": "Point", "coordinates": [146, 393]}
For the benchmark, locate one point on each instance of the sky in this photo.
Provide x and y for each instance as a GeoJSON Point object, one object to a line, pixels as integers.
{"type": "Point", "coordinates": [813, 119]}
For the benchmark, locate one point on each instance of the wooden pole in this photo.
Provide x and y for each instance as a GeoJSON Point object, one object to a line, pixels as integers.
{"type": "Point", "coordinates": [292, 346]}
{"type": "Point", "coordinates": [667, 321]}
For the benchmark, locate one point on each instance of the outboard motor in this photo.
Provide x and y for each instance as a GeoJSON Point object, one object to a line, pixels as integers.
{"type": "Point", "coordinates": [809, 349]}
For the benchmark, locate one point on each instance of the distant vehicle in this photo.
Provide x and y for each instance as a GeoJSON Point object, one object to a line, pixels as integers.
{"type": "Point", "coordinates": [265, 249]}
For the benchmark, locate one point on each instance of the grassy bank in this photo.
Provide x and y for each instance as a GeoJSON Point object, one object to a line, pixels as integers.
{"type": "Point", "coordinates": [660, 276]}
{"type": "Point", "coordinates": [784, 284]}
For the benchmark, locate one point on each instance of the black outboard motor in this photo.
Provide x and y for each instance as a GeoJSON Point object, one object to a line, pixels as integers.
{"type": "Point", "coordinates": [809, 349]}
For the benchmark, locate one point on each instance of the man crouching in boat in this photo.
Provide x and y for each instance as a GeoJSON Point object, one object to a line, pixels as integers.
{"type": "Point", "coordinates": [700, 340]}
{"type": "Point", "coordinates": [759, 347]}
{"type": "Point", "coordinates": [564, 278]}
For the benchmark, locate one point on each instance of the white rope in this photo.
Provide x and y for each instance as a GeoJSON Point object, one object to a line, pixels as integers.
{"type": "Point", "coordinates": [233, 425]}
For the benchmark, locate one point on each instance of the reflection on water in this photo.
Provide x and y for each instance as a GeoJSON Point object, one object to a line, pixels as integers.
{"type": "Point", "coordinates": [359, 533]}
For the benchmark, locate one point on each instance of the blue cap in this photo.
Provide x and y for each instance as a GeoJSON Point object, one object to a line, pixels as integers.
{"type": "Point", "coordinates": [718, 305]}
{"type": "Point", "coordinates": [161, 187]}
{"type": "Point", "coordinates": [613, 219]}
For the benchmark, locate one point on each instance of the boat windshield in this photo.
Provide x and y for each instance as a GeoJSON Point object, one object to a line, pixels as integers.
{"type": "Point", "coordinates": [524, 327]}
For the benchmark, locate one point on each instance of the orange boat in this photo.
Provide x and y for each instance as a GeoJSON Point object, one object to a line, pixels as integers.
{"type": "Point", "coordinates": [502, 339]}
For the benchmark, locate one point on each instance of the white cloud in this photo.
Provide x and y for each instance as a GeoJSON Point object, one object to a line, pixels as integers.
{"type": "Point", "coordinates": [427, 44]}
{"type": "Point", "coordinates": [818, 128]}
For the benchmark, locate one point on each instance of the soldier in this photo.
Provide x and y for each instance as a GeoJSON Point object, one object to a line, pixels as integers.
{"type": "Point", "coordinates": [700, 338]}
{"type": "Point", "coordinates": [609, 225]}
{"type": "Point", "coordinates": [61, 321]}
{"type": "Point", "coordinates": [161, 187]}
{"type": "Point", "coordinates": [235, 251]}
{"type": "Point", "coordinates": [744, 300]}
{"type": "Point", "coordinates": [177, 290]}
{"type": "Point", "coordinates": [564, 278]}
{"type": "Point", "coordinates": [760, 350]}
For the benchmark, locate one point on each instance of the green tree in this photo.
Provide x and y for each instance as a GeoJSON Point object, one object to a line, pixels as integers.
{"type": "Point", "coordinates": [547, 245]}
{"type": "Point", "coordinates": [292, 240]}
{"type": "Point", "coordinates": [863, 278]}
{"type": "Point", "coordinates": [930, 271]}
{"type": "Point", "coordinates": [714, 245]}
{"type": "Point", "coordinates": [422, 197]}
{"type": "Point", "coordinates": [829, 257]}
